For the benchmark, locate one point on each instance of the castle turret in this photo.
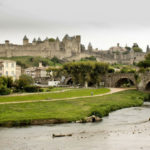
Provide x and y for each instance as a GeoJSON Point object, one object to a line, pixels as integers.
{"type": "Point", "coordinates": [6, 42]}
{"type": "Point", "coordinates": [82, 48]}
{"type": "Point", "coordinates": [57, 39]}
{"type": "Point", "coordinates": [90, 48]}
{"type": "Point", "coordinates": [118, 44]}
{"type": "Point", "coordinates": [78, 39]}
{"type": "Point", "coordinates": [39, 40]}
{"type": "Point", "coordinates": [46, 39]}
{"type": "Point", "coordinates": [25, 40]}
{"type": "Point", "coordinates": [34, 42]}
{"type": "Point", "coordinates": [147, 49]}
{"type": "Point", "coordinates": [57, 44]}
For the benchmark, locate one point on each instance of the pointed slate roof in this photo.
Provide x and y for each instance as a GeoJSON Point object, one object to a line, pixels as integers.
{"type": "Point", "coordinates": [25, 38]}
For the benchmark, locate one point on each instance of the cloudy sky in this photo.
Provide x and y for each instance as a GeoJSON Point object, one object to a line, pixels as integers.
{"type": "Point", "coordinates": [101, 22]}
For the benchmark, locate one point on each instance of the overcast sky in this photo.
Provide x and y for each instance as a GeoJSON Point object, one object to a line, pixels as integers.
{"type": "Point", "coordinates": [101, 22]}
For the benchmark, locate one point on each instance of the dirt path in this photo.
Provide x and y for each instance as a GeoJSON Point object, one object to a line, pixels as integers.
{"type": "Point", "coordinates": [112, 90]}
{"type": "Point", "coordinates": [23, 94]}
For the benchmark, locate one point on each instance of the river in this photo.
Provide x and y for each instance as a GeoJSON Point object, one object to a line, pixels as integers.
{"type": "Point", "coordinates": [126, 129]}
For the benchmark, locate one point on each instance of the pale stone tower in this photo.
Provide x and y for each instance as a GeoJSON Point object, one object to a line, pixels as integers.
{"type": "Point", "coordinates": [39, 40]}
{"type": "Point", "coordinates": [6, 42]}
{"type": "Point", "coordinates": [118, 44]}
{"type": "Point", "coordinates": [78, 39]}
{"type": "Point", "coordinates": [147, 49]}
{"type": "Point", "coordinates": [90, 48]}
{"type": "Point", "coordinates": [34, 42]}
{"type": "Point", "coordinates": [25, 40]}
{"type": "Point", "coordinates": [57, 44]}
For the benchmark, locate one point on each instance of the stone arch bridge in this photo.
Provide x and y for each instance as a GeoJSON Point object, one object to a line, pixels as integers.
{"type": "Point", "coordinates": [113, 79]}
{"type": "Point", "coordinates": [142, 82]}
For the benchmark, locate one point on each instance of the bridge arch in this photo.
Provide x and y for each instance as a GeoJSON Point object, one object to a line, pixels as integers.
{"type": "Point", "coordinates": [69, 81]}
{"type": "Point", "coordinates": [124, 82]}
{"type": "Point", "coordinates": [147, 86]}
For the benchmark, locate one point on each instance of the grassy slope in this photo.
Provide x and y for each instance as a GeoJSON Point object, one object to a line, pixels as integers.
{"type": "Point", "coordinates": [69, 110]}
{"type": "Point", "coordinates": [54, 89]}
{"type": "Point", "coordinates": [67, 94]}
{"type": "Point", "coordinates": [30, 61]}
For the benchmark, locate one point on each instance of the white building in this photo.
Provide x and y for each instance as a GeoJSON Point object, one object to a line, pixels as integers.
{"type": "Point", "coordinates": [9, 68]}
{"type": "Point", "coordinates": [53, 83]}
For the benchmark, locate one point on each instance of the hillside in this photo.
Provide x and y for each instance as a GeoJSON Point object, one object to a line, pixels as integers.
{"type": "Point", "coordinates": [30, 61]}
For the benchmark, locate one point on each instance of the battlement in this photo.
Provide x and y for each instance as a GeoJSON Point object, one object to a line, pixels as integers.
{"type": "Point", "coordinates": [69, 48]}
{"type": "Point", "coordinates": [47, 48]}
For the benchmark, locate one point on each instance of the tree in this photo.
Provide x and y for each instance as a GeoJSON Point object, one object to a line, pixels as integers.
{"type": "Point", "coordinates": [147, 57]}
{"type": "Point", "coordinates": [51, 40]}
{"type": "Point", "coordinates": [136, 48]}
{"type": "Point", "coordinates": [145, 63]}
{"type": "Point", "coordinates": [6, 81]}
{"type": "Point", "coordinates": [23, 82]}
{"type": "Point", "coordinates": [55, 60]}
{"type": "Point", "coordinates": [85, 72]}
{"type": "Point", "coordinates": [55, 72]}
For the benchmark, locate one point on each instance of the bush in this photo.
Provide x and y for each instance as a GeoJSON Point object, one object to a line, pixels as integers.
{"type": "Point", "coordinates": [111, 70]}
{"type": "Point", "coordinates": [32, 89]}
{"type": "Point", "coordinates": [137, 49]}
{"type": "Point", "coordinates": [24, 81]}
{"type": "Point", "coordinates": [56, 60]}
{"type": "Point", "coordinates": [92, 58]}
{"type": "Point", "coordinates": [4, 90]}
{"type": "Point", "coordinates": [49, 89]}
{"type": "Point", "coordinates": [96, 113]}
{"type": "Point", "coordinates": [147, 98]}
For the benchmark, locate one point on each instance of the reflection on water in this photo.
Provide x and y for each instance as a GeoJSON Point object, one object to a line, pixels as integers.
{"type": "Point", "coordinates": [126, 129]}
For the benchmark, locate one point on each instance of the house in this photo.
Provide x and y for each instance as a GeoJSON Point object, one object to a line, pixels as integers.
{"type": "Point", "coordinates": [9, 68]}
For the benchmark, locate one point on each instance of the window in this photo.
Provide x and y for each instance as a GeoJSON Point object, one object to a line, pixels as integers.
{"type": "Point", "coordinates": [12, 65]}
{"type": "Point", "coordinates": [12, 73]}
{"type": "Point", "coordinates": [6, 65]}
{"type": "Point", "coordinates": [7, 73]}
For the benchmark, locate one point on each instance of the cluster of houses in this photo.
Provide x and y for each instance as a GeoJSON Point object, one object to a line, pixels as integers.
{"type": "Point", "coordinates": [39, 74]}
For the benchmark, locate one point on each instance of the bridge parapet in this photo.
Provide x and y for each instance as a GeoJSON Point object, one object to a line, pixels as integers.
{"type": "Point", "coordinates": [144, 80]}
{"type": "Point", "coordinates": [111, 79]}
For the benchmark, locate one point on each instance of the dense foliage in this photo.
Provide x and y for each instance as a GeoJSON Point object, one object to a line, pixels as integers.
{"type": "Point", "coordinates": [86, 72]}
{"type": "Point", "coordinates": [23, 82]}
{"type": "Point", "coordinates": [136, 48]}
{"type": "Point", "coordinates": [55, 72]}
{"type": "Point", "coordinates": [6, 83]}
{"type": "Point", "coordinates": [145, 64]}
{"type": "Point", "coordinates": [127, 70]}
{"type": "Point", "coordinates": [92, 58]}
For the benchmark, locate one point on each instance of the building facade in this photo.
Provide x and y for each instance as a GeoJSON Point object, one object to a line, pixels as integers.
{"type": "Point", "coordinates": [9, 68]}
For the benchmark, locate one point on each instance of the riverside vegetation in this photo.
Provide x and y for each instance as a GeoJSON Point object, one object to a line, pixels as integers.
{"type": "Point", "coordinates": [68, 110]}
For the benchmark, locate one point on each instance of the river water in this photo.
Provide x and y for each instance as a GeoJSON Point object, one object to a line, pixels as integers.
{"type": "Point", "coordinates": [126, 129]}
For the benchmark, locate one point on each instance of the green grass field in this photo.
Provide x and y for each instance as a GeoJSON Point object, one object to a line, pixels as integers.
{"type": "Point", "coordinates": [48, 96]}
{"type": "Point", "coordinates": [69, 110]}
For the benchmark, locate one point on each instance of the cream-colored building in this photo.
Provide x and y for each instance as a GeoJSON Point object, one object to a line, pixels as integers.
{"type": "Point", "coordinates": [37, 72]}
{"type": "Point", "coordinates": [9, 68]}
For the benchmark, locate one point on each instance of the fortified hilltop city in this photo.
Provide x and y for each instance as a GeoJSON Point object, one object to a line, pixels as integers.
{"type": "Point", "coordinates": [71, 48]}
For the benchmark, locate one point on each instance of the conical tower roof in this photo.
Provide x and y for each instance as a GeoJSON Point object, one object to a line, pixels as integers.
{"type": "Point", "coordinates": [25, 38]}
